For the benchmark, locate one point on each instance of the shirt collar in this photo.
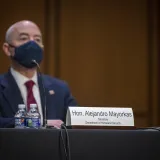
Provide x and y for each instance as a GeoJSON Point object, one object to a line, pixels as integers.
{"type": "Point", "coordinates": [21, 79]}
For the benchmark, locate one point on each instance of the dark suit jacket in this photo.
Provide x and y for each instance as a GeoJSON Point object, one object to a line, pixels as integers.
{"type": "Point", "coordinates": [56, 103]}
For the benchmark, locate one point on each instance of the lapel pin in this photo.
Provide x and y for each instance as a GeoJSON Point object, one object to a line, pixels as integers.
{"type": "Point", "coordinates": [51, 92]}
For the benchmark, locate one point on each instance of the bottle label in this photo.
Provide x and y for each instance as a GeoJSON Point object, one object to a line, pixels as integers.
{"type": "Point", "coordinates": [33, 122]}
{"type": "Point", "coordinates": [19, 122]}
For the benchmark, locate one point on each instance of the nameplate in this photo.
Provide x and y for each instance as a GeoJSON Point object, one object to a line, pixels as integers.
{"type": "Point", "coordinates": [97, 116]}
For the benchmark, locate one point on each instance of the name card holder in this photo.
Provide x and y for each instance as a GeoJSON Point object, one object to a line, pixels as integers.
{"type": "Point", "coordinates": [100, 118]}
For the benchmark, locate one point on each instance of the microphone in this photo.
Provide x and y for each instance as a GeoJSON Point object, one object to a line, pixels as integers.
{"type": "Point", "coordinates": [44, 92]}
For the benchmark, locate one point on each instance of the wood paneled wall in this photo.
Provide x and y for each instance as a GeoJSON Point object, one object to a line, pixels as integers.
{"type": "Point", "coordinates": [102, 48]}
{"type": "Point", "coordinates": [13, 11]}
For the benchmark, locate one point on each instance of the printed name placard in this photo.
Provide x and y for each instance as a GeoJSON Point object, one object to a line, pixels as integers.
{"type": "Point", "coordinates": [99, 116]}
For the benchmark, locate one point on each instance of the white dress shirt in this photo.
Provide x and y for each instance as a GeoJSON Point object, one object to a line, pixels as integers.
{"type": "Point", "coordinates": [21, 80]}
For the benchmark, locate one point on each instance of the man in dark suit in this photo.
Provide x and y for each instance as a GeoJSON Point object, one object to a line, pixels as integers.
{"type": "Point", "coordinates": [24, 85]}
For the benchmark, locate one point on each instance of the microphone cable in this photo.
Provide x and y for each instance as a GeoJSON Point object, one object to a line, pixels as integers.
{"type": "Point", "coordinates": [149, 129]}
{"type": "Point", "coordinates": [66, 143]}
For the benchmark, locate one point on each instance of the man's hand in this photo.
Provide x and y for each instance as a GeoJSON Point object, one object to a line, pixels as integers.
{"type": "Point", "coordinates": [54, 123]}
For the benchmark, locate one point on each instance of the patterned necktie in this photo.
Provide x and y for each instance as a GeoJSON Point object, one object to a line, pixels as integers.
{"type": "Point", "coordinates": [30, 97]}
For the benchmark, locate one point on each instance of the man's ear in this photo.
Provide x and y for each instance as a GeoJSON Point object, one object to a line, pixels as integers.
{"type": "Point", "coordinates": [6, 49]}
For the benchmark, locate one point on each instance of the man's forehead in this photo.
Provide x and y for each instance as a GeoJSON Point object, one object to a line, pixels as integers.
{"type": "Point", "coordinates": [28, 29]}
{"type": "Point", "coordinates": [23, 26]}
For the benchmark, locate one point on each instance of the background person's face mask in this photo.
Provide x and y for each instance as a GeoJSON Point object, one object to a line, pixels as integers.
{"type": "Point", "coordinates": [26, 53]}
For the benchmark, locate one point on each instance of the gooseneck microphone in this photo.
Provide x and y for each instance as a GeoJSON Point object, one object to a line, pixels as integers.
{"type": "Point", "coordinates": [64, 138]}
{"type": "Point", "coordinates": [44, 93]}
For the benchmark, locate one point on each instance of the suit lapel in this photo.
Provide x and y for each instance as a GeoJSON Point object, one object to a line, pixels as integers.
{"type": "Point", "coordinates": [11, 92]}
{"type": "Point", "coordinates": [13, 96]}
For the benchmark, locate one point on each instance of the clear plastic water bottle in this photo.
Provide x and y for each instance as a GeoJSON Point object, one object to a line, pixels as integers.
{"type": "Point", "coordinates": [20, 116]}
{"type": "Point", "coordinates": [33, 118]}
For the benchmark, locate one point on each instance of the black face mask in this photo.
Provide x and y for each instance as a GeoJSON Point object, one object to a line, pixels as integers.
{"type": "Point", "coordinates": [26, 53]}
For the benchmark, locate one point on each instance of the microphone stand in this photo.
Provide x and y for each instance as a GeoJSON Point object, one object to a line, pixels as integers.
{"type": "Point", "coordinates": [44, 92]}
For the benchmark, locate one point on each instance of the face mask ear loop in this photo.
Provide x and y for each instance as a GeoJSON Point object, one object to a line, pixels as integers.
{"type": "Point", "coordinates": [12, 47]}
